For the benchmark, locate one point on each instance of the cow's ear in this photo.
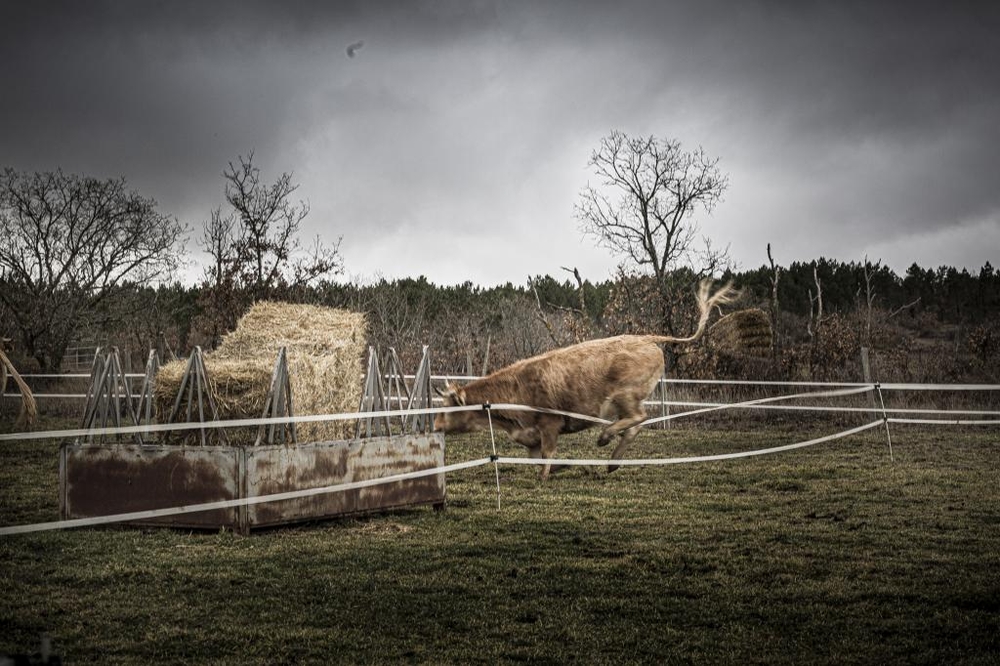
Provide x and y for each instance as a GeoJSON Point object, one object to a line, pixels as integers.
{"type": "Point", "coordinates": [459, 397]}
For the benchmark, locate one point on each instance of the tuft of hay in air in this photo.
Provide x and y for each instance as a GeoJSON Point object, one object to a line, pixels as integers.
{"type": "Point", "coordinates": [325, 349]}
{"type": "Point", "coordinates": [29, 408]}
{"type": "Point", "coordinates": [742, 333]}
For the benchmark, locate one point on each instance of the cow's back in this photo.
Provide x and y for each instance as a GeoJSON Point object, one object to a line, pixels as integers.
{"type": "Point", "coordinates": [580, 378]}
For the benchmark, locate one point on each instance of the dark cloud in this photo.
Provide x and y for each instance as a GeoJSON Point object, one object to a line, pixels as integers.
{"type": "Point", "coordinates": [870, 125]}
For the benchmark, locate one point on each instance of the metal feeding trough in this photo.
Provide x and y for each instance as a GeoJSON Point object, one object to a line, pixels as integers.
{"type": "Point", "coordinates": [97, 479]}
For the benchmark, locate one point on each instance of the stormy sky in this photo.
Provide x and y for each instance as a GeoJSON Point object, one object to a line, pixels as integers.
{"type": "Point", "coordinates": [453, 142]}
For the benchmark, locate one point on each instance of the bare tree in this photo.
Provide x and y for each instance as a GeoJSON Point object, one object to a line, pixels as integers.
{"type": "Point", "coordinates": [395, 320]}
{"type": "Point", "coordinates": [520, 335]}
{"type": "Point", "coordinates": [262, 233]}
{"type": "Point", "coordinates": [577, 324]}
{"type": "Point", "coordinates": [816, 317]}
{"type": "Point", "coordinates": [869, 273]}
{"type": "Point", "coordinates": [255, 248]}
{"type": "Point", "coordinates": [69, 242]}
{"type": "Point", "coordinates": [775, 311]}
{"type": "Point", "coordinates": [643, 210]}
{"type": "Point", "coordinates": [219, 240]}
{"type": "Point", "coordinates": [543, 318]}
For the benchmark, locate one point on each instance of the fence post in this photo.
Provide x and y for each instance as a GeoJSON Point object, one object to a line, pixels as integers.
{"type": "Point", "coordinates": [866, 371]}
{"type": "Point", "coordinates": [421, 396]}
{"type": "Point", "coordinates": [373, 400]}
{"type": "Point", "coordinates": [664, 410]}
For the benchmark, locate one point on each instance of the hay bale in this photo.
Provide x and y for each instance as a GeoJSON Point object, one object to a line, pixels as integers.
{"type": "Point", "coordinates": [742, 333]}
{"type": "Point", "coordinates": [238, 389]}
{"type": "Point", "coordinates": [309, 330]}
{"type": "Point", "coordinates": [325, 347]}
{"type": "Point", "coordinates": [325, 350]}
{"type": "Point", "coordinates": [330, 384]}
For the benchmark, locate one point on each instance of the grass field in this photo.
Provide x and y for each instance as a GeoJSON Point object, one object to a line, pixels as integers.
{"type": "Point", "coordinates": [827, 554]}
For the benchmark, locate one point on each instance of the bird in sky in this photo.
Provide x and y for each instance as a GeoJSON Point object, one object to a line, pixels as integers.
{"type": "Point", "coordinates": [353, 48]}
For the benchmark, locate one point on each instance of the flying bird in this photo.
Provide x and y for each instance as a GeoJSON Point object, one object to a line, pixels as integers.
{"type": "Point", "coordinates": [353, 48]}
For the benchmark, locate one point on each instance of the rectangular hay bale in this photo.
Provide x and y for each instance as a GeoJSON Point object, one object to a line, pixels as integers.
{"type": "Point", "coordinates": [325, 349]}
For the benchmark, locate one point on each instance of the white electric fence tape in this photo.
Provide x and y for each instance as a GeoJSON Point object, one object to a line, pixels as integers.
{"type": "Point", "coordinates": [53, 396]}
{"type": "Point", "coordinates": [645, 462]}
{"type": "Point", "coordinates": [818, 408]}
{"type": "Point", "coordinates": [197, 425]}
{"type": "Point", "coordinates": [742, 382]}
{"type": "Point", "coordinates": [709, 407]}
{"type": "Point", "coordinates": [852, 389]}
{"type": "Point", "coordinates": [940, 387]}
{"type": "Point", "coordinates": [897, 386]}
{"type": "Point", "coordinates": [73, 375]}
{"type": "Point", "coordinates": [982, 422]}
{"type": "Point", "coordinates": [503, 406]}
{"type": "Point", "coordinates": [761, 401]}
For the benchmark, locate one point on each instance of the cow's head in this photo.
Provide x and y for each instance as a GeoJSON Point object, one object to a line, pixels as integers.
{"type": "Point", "coordinates": [454, 422]}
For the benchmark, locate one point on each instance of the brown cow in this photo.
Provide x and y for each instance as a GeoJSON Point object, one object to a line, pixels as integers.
{"type": "Point", "coordinates": [610, 378]}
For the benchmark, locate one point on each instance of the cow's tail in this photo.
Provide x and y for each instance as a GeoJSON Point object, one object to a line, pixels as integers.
{"type": "Point", "coordinates": [706, 301]}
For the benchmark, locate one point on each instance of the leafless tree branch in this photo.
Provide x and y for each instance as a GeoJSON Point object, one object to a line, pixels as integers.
{"type": "Point", "coordinates": [643, 209]}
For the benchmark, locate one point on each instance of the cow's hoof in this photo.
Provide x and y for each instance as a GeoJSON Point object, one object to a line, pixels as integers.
{"type": "Point", "coordinates": [612, 468]}
{"type": "Point", "coordinates": [604, 439]}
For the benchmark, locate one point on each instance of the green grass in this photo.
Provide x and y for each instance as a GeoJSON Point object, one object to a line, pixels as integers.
{"type": "Point", "coordinates": [826, 554]}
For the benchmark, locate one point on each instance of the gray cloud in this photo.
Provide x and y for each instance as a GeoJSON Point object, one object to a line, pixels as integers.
{"type": "Point", "coordinates": [463, 129]}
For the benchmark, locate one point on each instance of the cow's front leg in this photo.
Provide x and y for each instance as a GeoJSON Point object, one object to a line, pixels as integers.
{"type": "Point", "coordinates": [529, 437]}
{"type": "Point", "coordinates": [547, 448]}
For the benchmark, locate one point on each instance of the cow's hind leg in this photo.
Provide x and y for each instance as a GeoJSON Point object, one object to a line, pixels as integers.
{"type": "Point", "coordinates": [630, 414]}
{"type": "Point", "coordinates": [609, 411]}
{"type": "Point", "coordinates": [626, 439]}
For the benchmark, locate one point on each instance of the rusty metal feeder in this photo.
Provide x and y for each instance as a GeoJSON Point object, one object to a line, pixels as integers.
{"type": "Point", "coordinates": [105, 478]}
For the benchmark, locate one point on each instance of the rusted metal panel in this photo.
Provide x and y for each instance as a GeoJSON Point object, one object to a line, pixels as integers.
{"type": "Point", "coordinates": [98, 480]}
{"type": "Point", "coordinates": [276, 469]}
{"type": "Point", "coordinates": [389, 456]}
